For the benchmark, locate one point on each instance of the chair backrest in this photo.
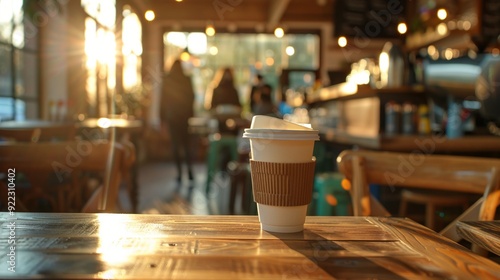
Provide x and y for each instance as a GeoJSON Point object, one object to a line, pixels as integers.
{"type": "Point", "coordinates": [419, 170]}
{"type": "Point", "coordinates": [453, 173]}
{"type": "Point", "coordinates": [68, 159]}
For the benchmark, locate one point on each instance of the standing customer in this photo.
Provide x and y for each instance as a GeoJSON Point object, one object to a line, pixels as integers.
{"type": "Point", "coordinates": [254, 92]}
{"type": "Point", "coordinates": [225, 92]}
{"type": "Point", "coordinates": [263, 102]}
{"type": "Point", "coordinates": [176, 109]}
{"type": "Point", "coordinates": [225, 103]}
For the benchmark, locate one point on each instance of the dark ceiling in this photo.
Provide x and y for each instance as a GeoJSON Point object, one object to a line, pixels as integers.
{"type": "Point", "coordinates": [240, 15]}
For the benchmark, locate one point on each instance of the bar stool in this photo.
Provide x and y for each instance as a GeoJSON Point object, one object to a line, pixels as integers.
{"type": "Point", "coordinates": [432, 201]}
{"type": "Point", "coordinates": [218, 144]}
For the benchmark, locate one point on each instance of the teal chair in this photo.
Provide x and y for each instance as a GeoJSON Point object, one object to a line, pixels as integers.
{"type": "Point", "coordinates": [331, 198]}
{"type": "Point", "coordinates": [221, 150]}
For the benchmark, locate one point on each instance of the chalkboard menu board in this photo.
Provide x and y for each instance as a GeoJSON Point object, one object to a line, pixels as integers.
{"type": "Point", "coordinates": [368, 18]}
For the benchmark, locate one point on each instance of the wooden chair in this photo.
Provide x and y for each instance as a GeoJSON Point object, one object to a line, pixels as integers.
{"type": "Point", "coordinates": [422, 171]}
{"type": "Point", "coordinates": [128, 133]}
{"type": "Point", "coordinates": [66, 162]}
{"type": "Point", "coordinates": [432, 200]}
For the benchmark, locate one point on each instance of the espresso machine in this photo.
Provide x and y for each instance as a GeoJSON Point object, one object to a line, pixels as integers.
{"type": "Point", "coordinates": [465, 84]}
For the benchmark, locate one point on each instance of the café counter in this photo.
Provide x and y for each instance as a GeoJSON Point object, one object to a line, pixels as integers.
{"type": "Point", "coordinates": [356, 115]}
{"type": "Point", "coordinates": [132, 246]}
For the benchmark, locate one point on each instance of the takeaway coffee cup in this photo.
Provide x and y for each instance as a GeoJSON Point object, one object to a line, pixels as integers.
{"type": "Point", "coordinates": [282, 168]}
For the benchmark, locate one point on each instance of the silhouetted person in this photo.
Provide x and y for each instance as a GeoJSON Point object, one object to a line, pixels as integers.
{"type": "Point", "coordinates": [225, 107]}
{"type": "Point", "coordinates": [176, 109]}
{"type": "Point", "coordinates": [225, 92]}
{"type": "Point", "coordinates": [254, 92]}
{"type": "Point", "coordinates": [263, 102]}
{"type": "Point", "coordinates": [225, 103]}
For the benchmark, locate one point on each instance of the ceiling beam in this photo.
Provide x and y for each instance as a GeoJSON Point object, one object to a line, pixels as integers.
{"type": "Point", "coordinates": [276, 10]}
{"type": "Point", "coordinates": [141, 5]}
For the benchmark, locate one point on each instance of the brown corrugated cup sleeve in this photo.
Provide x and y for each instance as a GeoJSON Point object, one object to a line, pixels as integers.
{"type": "Point", "coordinates": [282, 184]}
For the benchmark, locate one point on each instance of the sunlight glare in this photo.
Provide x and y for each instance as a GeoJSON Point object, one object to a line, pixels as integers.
{"type": "Point", "coordinates": [104, 122]}
{"type": "Point", "coordinates": [105, 46]}
{"type": "Point", "coordinates": [132, 43]}
{"type": "Point", "coordinates": [177, 39]}
{"type": "Point", "coordinates": [90, 39]}
{"type": "Point", "coordinates": [197, 43]}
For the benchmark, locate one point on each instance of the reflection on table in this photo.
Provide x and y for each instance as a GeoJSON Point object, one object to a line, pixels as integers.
{"type": "Point", "coordinates": [70, 246]}
{"type": "Point", "coordinates": [122, 125]}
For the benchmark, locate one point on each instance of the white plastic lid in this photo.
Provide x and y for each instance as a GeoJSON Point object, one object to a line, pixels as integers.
{"type": "Point", "coordinates": [277, 134]}
{"type": "Point", "coordinates": [267, 122]}
{"type": "Point", "coordinates": [287, 131]}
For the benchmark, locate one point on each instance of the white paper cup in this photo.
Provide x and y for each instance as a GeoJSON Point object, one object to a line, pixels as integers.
{"type": "Point", "coordinates": [282, 219]}
{"type": "Point", "coordinates": [281, 151]}
{"type": "Point", "coordinates": [281, 145]}
{"type": "Point", "coordinates": [277, 141]}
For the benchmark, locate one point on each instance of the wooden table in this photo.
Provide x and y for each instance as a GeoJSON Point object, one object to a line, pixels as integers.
{"type": "Point", "coordinates": [88, 246]}
{"type": "Point", "coordinates": [120, 125]}
{"type": "Point", "coordinates": [31, 124]}
{"type": "Point", "coordinates": [37, 131]}
{"type": "Point", "coordinates": [483, 233]}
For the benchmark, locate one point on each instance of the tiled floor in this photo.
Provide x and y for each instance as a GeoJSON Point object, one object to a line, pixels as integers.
{"type": "Point", "coordinates": [160, 193]}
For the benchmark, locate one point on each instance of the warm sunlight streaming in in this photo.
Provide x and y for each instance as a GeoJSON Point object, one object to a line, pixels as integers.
{"type": "Point", "coordinates": [111, 232]}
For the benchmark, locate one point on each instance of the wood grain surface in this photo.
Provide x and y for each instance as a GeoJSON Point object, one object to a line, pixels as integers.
{"type": "Point", "coordinates": [483, 233]}
{"type": "Point", "coordinates": [117, 246]}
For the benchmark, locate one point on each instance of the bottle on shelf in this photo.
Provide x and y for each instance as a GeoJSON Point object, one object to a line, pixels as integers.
{"type": "Point", "coordinates": [454, 123]}
{"type": "Point", "coordinates": [52, 111]}
{"type": "Point", "coordinates": [392, 117]}
{"type": "Point", "coordinates": [424, 124]}
{"type": "Point", "coordinates": [408, 118]}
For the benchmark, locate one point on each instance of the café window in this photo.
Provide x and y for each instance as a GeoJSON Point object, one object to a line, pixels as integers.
{"type": "Point", "coordinates": [129, 101]}
{"type": "Point", "coordinates": [19, 96]}
{"type": "Point", "coordinates": [248, 54]}
{"type": "Point", "coordinates": [100, 51]}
